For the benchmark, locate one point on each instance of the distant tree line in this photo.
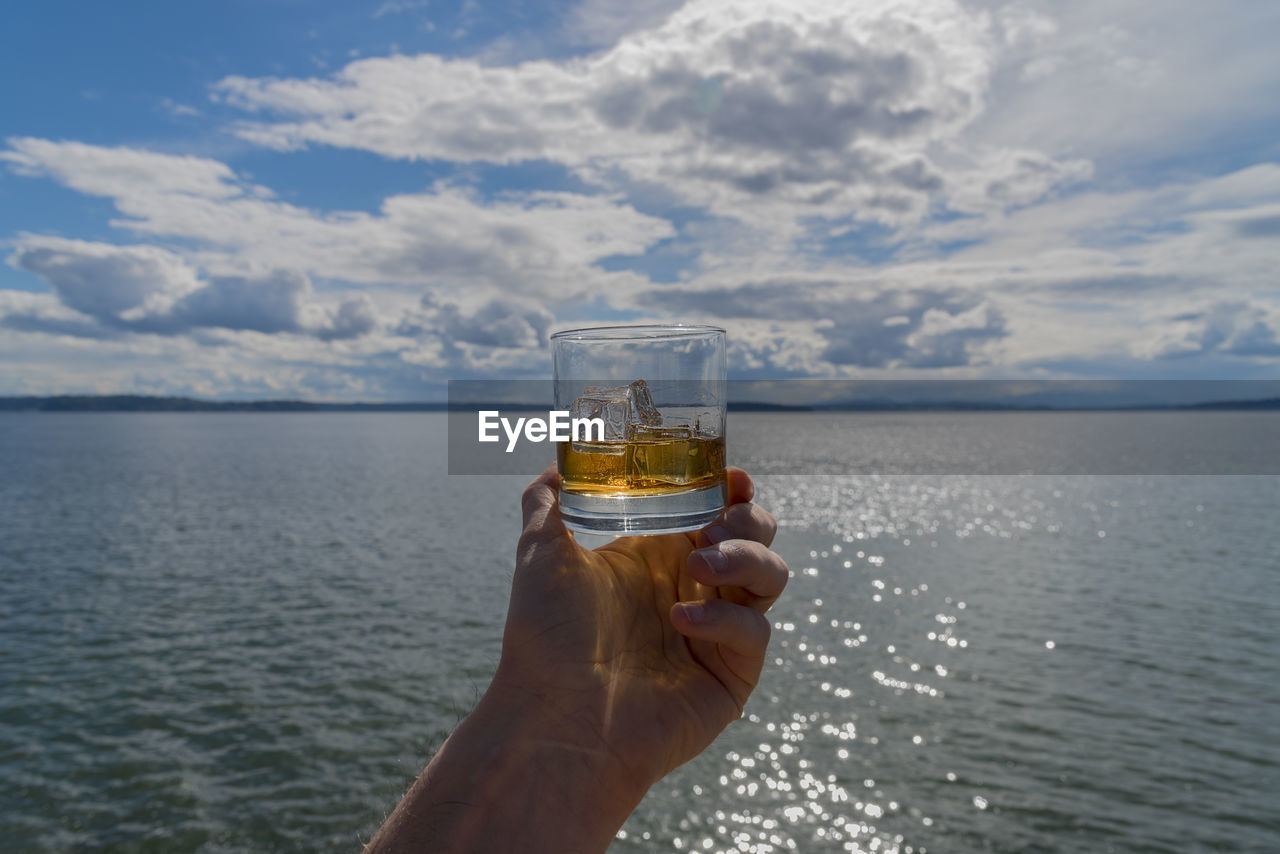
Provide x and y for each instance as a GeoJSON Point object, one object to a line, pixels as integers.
{"type": "Point", "coordinates": [149, 403]}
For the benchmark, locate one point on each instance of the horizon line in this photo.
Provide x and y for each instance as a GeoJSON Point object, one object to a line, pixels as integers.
{"type": "Point", "coordinates": [183, 403]}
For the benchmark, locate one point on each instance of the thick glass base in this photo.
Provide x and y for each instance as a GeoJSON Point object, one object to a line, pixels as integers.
{"type": "Point", "coordinates": [627, 515]}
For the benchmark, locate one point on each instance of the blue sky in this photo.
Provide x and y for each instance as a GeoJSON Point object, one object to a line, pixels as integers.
{"type": "Point", "coordinates": [360, 201]}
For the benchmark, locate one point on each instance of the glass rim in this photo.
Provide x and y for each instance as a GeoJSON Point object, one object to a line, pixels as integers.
{"type": "Point", "coordinates": [637, 332]}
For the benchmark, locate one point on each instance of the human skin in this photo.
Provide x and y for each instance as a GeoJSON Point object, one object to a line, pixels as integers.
{"type": "Point", "coordinates": [617, 666]}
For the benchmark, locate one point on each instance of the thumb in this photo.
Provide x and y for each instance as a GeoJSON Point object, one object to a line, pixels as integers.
{"type": "Point", "coordinates": [541, 507]}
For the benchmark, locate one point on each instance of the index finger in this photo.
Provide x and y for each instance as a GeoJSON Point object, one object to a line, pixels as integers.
{"type": "Point", "coordinates": [539, 507]}
{"type": "Point", "coordinates": [540, 496]}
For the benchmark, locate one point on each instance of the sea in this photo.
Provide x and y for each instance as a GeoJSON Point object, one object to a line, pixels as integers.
{"type": "Point", "coordinates": [240, 632]}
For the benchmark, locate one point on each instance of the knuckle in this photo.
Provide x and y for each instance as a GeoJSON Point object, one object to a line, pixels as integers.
{"type": "Point", "coordinates": [763, 627]}
{"type": "Point", "coordinates": [770, 526]}
{"type": "Point", "coordinates": [740, 552]}
{"type": "Point", "coordinates": [742, 517]}
{"type": "Point", "coordinates": [752, 522]}
{"type": "Point", "coordinates": [777, 565]}
{"type": "Point", "coordinates": [532, 494]}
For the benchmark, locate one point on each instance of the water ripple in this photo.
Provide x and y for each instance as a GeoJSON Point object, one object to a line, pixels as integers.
{"type": "Point", "coordinates": [249, 632]}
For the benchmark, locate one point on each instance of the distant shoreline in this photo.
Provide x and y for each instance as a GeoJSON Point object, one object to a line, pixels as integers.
{"type": "Point", "coordinates": [145, 403]}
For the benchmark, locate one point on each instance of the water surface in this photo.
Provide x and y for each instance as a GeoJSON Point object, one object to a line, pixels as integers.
{"type": "Point", "coordinates": [230, 632]}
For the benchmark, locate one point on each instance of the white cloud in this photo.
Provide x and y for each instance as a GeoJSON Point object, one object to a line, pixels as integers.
{"type": "Point", "coordinates": [1233, 328]}
{"type": "Point", "coordinates": [539, 242]}
{"type": "Point", "coordinates": [1085, 279]}
{"type": "Point", "coordinates": [179, 110]}
{"type": "Point", "coordinates": [396, 7]}
{"type": "Point", "coordinates": [1006, 178]}
{"type": "Point", "coordinates": [502, 323]}
{"type": "Point", "coordinates": [121, 172]}
{"type": "Point", "coordinates": [603, 22]}
{"type": "Point", "coordinates": [112, 290]}
{"type": "Point", "coordinates": [114, 283]}
{"type": "Point", "coordinates": [1140, 274]}
{"type": "Point", "coordinates": [354, 316]}
{"type": "Point", "coordinates": [240, 273]}
{"type": "Point", "coordinates": [1125, 82]}
{"type": "Point", "coordinates": [981, 166]}
{"type": "Point", "coordinates": [765, 111]}
{"type": "Point", "coordinates": [267, 304]}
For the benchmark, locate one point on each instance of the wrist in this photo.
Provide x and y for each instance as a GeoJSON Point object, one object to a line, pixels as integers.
{"type": "Point", "coordinates": [563, 746]}
{"type": "Point", "coordinates": [513, 776]}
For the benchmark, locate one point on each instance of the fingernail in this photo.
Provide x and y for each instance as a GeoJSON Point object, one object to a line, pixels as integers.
{"type": "Point", "coordinates": [718, 533]}
{"type": "Point", "coordinates": [693, 612]}
{"type": "Point", "coordinates": [714, 559]}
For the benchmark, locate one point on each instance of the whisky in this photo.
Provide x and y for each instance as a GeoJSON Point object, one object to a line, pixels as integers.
{"type": "Point", "coordinates": [656, 461]}
{"type": "Point", "coordinates": [638, 452]}
{"type": "Point", "coordinates": [653, 398]}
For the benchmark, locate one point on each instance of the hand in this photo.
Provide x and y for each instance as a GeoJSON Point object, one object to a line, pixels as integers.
{"type": "Point", "coordinates": [647, 647]}
{"type": "Point", "coordinates": [617, 665]}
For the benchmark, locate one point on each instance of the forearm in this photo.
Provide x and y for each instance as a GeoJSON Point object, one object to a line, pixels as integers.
{"type": "Point", "coordinates": [505, 781]}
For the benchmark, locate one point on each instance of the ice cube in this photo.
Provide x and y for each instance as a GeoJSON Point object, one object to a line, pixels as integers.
{"type": "Point", "coordinates": [660, 454]}
{"type": "Point", "coordinates": [620, 407]}
{"type": "Point", "coordinates": [611, 405]}
{"type": "Point", "coordinates": [702, 421]}
{"type": "Point", "coordinates": [652, 435]}
{"type": "Point", "coordinates": [642, 409]}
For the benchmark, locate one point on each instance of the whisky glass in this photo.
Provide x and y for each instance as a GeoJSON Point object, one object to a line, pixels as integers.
{"type": "Point", "coordinates": [659, 392]}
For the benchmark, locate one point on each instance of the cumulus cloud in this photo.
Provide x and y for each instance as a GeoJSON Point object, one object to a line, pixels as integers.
{"type": "Point", "coordinates": [45, 315]}
{"type": "Point", "coordinates": [945, 338]}
{"type": "Point", "coordinates": [271, 303]}
{"type": "Point", "coordinates": [245, 261]}
{"type": "Point", "coordinates": [1128, 81]}
{"type": "Point", "coordinates": [603, 22]}
{"type": "Point", "coordinates": [144, 289]}
{"type": "Point", "coordinates": [860, 324]}
{"type": "Point", "coordinates": [476, 334]}
{"type": "Point", "coordinates": [542, 242]}
{"type": "Point", "coordinates": [506, 322]}
{"type": "Point", "coordinates": [119, 172]}
{"type": "Point", "coordinates": [853, 188]}
{"type": "Point", "coordinates": [1263, 225]}
{"type": "Point", "coordinates": [110, 283]}
{"type": "Point", "coordinates": [1039, 285]}
{"type": "Point", "coordinates": [1029, 285]}
{"type": "Point", "coordinates": [354, 316]}
{"type": "Point", "coordinates": [1231, 328]}
{"type": "Point", "coordinates": [768, 110]}
{"type": "Point", "coordinates": [1009, 177]}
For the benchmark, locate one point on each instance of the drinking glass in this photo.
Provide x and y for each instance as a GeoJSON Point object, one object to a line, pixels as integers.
{"type": "Point", "coordinates": [659, 393]}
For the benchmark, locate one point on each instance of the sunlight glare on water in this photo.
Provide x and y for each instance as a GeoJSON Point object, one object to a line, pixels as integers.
{"type": "Point", "coordinates": [238, 632]}
{"type": "Point", "coordinates": [942, 675]}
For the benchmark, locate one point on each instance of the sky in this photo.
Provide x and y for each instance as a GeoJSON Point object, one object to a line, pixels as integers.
{"type": "Point", "coordinates": [346, 201]}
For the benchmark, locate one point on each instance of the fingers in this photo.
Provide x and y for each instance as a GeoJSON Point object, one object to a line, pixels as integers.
{"type": "Point", "coordinates": [740, 487]}
{"type": "Point", "coordinates": [541, 513]}
{"type": "Point", "coordinates": [741, 633]}
{"type": "Point", "coordinates": [744, 521]}
{"type": "Point", "coordinates": [746, 564]}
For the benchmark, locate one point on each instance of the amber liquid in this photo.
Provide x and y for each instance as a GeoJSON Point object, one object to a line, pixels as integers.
{"type": "Point", "coordinates": [642, 467]}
